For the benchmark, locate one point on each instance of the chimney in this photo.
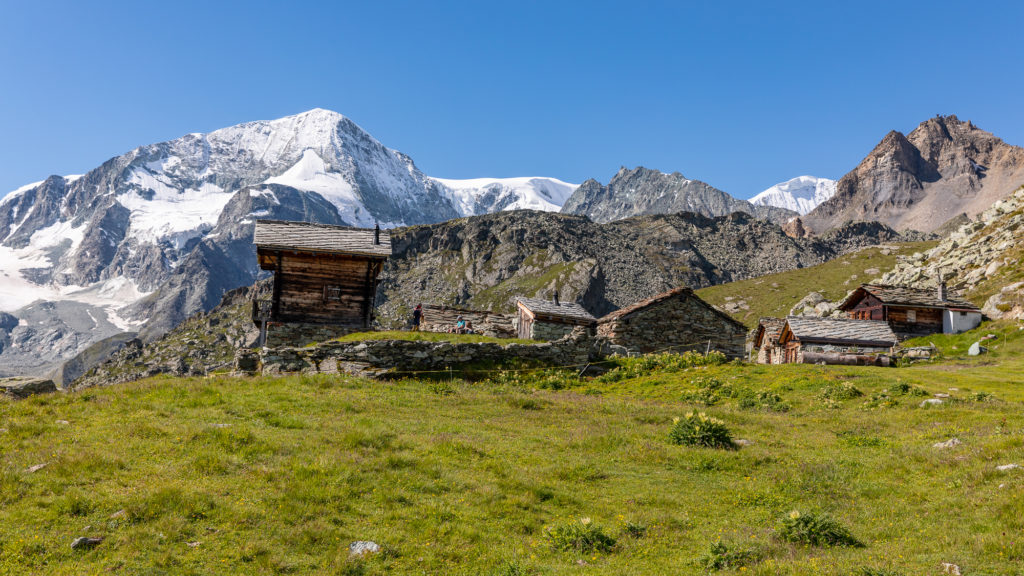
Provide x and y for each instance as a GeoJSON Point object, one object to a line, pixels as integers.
{"type": "Point", "coordinates": [554, 298]}
{"type": "Point", "coordinates": [376, 234]}
{"type": "Point", "coordinates": [942, 288]}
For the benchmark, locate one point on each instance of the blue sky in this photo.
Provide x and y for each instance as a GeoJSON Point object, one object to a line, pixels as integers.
{"type": "Point", "coordinates": [739, 94]}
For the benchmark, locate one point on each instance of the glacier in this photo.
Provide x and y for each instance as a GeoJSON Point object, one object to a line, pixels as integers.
{"type": "Point", "coordinates": [801, 194]}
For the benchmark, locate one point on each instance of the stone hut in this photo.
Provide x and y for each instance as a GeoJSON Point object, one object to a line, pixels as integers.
{"type": "Point", "coordinates": [766, 340]}
{"type": "Point", "coordinates": [911, 311]}
{"type": "Point", "coordinates": [675, 321]}
{"type": "Point", "coordinates": [443, 318]}
{"type": "Point", "coordinates": [538, 319]}
{"type": "Point", "coordinates": [325, 280]}
{"type": "Point", "coordinates": [811, 340]}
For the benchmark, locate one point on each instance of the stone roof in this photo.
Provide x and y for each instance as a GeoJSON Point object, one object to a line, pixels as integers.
{"type": "Point", "coordinates": [906, 296]}
{"type": "Point", "coordinates": [307, 237]}
{"type": "Point", "coordinates": [623, 312]}
{"type": "Point", "coordinates": [772, 328]}
{"type": "Point", "coordinates": [839, 331]}
{"type": "Point", "coordinates": [570, 311]}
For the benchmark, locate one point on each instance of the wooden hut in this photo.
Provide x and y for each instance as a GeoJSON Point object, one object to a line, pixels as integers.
{"type": "Point", "coordinates": [766, 340]}
{"type": "Point", "coordinates": [812, 340]}
{"type": "Point", "coordinates": [912, 311]}
{"type": "Point", "coordinates": [675, 321]}
{"type": "Point", "coordinates": [325, 279]}
{"type": "Point", "coordinates": [538, 319]}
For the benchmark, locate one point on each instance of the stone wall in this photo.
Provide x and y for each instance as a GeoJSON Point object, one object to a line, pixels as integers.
{"type": "Point", "coordinates": [399, 356]}
{"type": "Point", "coordinates": [442, 319]}
{"type": "Point", "coordinates": [677, 324]}
{"type": "Point", "coordinates": [548, 331]}
{"type": "Point", "coordinates": [300, 334]}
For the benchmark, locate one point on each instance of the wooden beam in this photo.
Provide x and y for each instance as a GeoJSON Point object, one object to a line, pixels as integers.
{"type": "Point", "coordinates": [275, 309]}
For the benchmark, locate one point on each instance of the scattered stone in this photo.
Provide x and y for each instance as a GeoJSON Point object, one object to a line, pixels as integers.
{"type": "Point", "coordinates": [931, 402]}
{"type": "Point", "coordinates": [36, 468]}
{"type": "Point", "coordinates": [1007, 467]}
{"type": "Point", "coordinates": [976, 349]}
{"type": "Point", "coordinates": [22, 387]}
{"type": "Point", "coordinates": [122, 513]}
{"type": "Point", "coordinates": [221, 425]}
{"type": "Point", "coordinates": [193, 544]}
{"type": "Point", "coordinates": [954, 389]}
{"type": "Point", "coordinates": [743, 442]}
{"type": "Point", "coordinates": [85, 543]}
{"type": "Point", "coordinates": [948, 568]}
{"type": "Point", "coordinates": [361, 548]}
{"type": "Point", "coordinates": [941, 395]}
{"type": "Point", "coordinates": [62, 423]}
{"type": "Point", "coordinates": [947, 444]}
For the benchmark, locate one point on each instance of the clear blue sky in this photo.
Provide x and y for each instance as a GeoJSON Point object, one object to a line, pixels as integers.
{"type": "Point", "coordinates": [739, 94]}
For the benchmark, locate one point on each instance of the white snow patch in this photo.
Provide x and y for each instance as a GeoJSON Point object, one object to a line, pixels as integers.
{"type": "Point", "coordinates": [312, 174]}
{"type": "Point", "coordinates": [173, 215]}
{"type": "Point", "coordinates": [801, 194]}
{"type": "Point", "coordinates": [526, 193]}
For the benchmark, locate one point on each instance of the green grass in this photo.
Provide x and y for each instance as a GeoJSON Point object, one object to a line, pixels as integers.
{"type": "Point", "coordinates": [427, 337]}
{"type": "Point", "coordinates": [776, 294]}
{"type": "Point", "coordinates": [280, 475]}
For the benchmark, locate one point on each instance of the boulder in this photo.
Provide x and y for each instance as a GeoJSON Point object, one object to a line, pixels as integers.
{"type": "Point", "coordinates": [951, 443]}
{"type": "Point", "coordinates": [85, 543]}
{"type": "Point", "coordinates": [362, 548]}
{"type": "Point", "coordinates": [22, 387]}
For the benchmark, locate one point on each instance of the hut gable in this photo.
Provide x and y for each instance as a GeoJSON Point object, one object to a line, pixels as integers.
{"type": "Point", "coordinates": [539, 319]}
{"type": "Point", "coordinates": [766, 340]}
{"type": "Point", "coordinates": [912, 311]}
{"type": "Point", "coordinates": [323, 275]}
{"type": "Point", "coordinates": [676, 320]}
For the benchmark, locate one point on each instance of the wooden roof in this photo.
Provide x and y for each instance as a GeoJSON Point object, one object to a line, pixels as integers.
{"type": "Point", "coordinates": [768, 329]}
{"type": "Point", "coordinates": [307, 237]}
{"type": "Point", "coordinates": [839, 331]}
{"type": "Point", "coordinates": [906, 296]}
{"type": "Point", "coordinates": [657, 299]}
{"type": "Point", "coordinates": [562, 310]}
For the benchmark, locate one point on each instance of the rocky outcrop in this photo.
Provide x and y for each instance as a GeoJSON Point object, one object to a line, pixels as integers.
{"type": "Point", "coordinates": [22, 387]}
{"type": "Point", "coordinates": [983, 259]}
{"type": "Point", "coordinates": [642, 191]}
{"type": "Point", "coordinates": [920, 181]}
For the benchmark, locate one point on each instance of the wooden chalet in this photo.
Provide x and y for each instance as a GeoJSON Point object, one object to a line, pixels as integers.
{"type": "Point", "coordinates": [674, 321]}
{"type": "Point", "coordinates": [766, 340]}
{"type": "Point", "coordinates": [812, 340]}
{"type": "Point", "coordinates": [538, 319]}
{"type": "Point", "coordinates": [323, 275]}
{"type": "Point", "coordinates": [912, 311]}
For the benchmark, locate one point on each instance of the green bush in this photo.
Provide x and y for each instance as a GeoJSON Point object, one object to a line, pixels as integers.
{"type": "Point", "coordinates": [764, 400]}
{"type": "Point", "coordinates": [701, 430]}
{"type": "Point", "coordinates": [868, 571]}
{"type": "Point", "coordinates": [579, 536]}
{"type": "Point", "coordinates": [721, 556]}
{"type": "Point", "coordinates": [815, 530]}
{"type": "Point", "coordinates": [624, 368]}
{"type": "Point", "coordinates": [902, 388]}
{"type": "Point", "coordinates": [840, 391]}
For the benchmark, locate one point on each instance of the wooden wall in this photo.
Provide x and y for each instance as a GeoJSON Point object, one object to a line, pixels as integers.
{"type": "Point", "coordinates": [323, 288]}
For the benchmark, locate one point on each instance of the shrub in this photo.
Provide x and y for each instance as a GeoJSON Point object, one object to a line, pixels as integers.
{"type": "Point", "coordinates": [983, 397]}
{"type": "Point", "coordinates": [700, 430]}
{"type": "Point", "coordinates": [579, 536]}
{"type": "Point", "coordinates": [634, 530]}
{"type": "Point", "coordinates": [868, 571]}
{"type": "Point", "coordinates": [764, 400]}
{"type": "Point", "coordinates": [902, 388]}
{"type": "Point", "coordinates": [721, 556]}
{"type": "Point", "coordinates": [815, 530]}
{"type": "Point", "coordinates": [841, 391]}
{"type": "Point", "coordinates": [625, 368]}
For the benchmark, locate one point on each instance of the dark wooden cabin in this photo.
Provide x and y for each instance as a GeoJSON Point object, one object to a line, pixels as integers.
{"type": "Point", "coordinates": [549, 319]}
{"type": "Point", "coordinates": [812, 340]}
{"type": "Point", "coordinates": [912, 311]}
{"type": "Point", "coordinates": [322, 274]}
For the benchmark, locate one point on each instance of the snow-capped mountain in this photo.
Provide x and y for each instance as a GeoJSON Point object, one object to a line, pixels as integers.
{"type": "Point", "coordinates": [156, 234]}
{"type": "Point", "coordinates": [801, 194]}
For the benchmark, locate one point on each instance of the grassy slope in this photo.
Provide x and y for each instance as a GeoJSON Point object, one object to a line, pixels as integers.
{"type": "Point", "coordinates": [279, 475]}
{"type": "Point", "coordinates": [776, 294]}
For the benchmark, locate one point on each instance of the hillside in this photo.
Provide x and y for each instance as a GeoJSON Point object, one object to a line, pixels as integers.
{"type": "Point", "coordinates": [775, 294]}
{"type": "Point", "coordinates": [281, 475]}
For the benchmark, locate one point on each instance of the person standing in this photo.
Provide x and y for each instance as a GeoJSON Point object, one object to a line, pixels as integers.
{"type": "Point", "coordinates": [417, 315]}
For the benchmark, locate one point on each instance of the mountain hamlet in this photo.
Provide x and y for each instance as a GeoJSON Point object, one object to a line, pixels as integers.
{"type": "Point", "coordinates": [150, 238]}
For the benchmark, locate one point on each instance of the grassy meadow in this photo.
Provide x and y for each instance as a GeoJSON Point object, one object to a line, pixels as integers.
{"type": "Point", "coordinates": [527, 472]}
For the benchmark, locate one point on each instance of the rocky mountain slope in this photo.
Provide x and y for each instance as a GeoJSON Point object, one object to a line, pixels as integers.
{"type": "Point", "coordinates": [643, 191]}
{"type": "Point", "coordinates": [157, 234]}
{"type": "Point", "coordinates": [944, 168]}
{"type": "Point", "coordinates": [487, 261]}
{"type": "Point", "coordinates": [801, 194]}
{"type": "Point", "coordinates": [983, 259]}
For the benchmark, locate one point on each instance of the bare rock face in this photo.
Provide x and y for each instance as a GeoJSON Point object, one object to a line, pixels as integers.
{"type": "Point", "coordinates": [795, 229]}
{"type": "Point", "coordinates": [642, 191]}
{"type": "Point", "coordinates": [20, 387]}
{"type": "Point", "coordinates": [943, 168]}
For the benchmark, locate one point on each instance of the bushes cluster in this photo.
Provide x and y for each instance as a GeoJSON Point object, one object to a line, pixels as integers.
{"type": "Point", "coordinates": [815, 530]}
{"type": "Point", "coordinates": [579, 536]}
{"type": "Point", "coordinates": [722, 556]}
{"type": "Point", "coordinates": [625, 368]}
{"type": "Point", "coordinates": [701, 430]}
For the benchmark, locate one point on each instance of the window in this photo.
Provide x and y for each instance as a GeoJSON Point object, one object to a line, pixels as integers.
{"type": "Point", "coordinates": [332, 293]}
{"type": "Point", "coordinates": [912, 316]}
{"type": "Point", "coordinates": [963, 313]}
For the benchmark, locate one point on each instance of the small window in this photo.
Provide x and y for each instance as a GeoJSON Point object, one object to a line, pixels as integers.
{"type": "Point", "coordinates": [332, 293]}
{"type": "Point", "coordinates": [911, 316]}
{"type": "Point", "coordinates": [963, 313]}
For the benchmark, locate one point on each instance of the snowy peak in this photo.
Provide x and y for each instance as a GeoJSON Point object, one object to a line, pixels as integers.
{"type": "Point", "coordinates": [485, 195]}
{"type": "Point", "coordinates": [801, 194]}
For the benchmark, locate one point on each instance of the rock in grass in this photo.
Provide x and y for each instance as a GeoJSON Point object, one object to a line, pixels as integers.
{"type": "Point", "coordinates": [1007, 467]}
{"type": "Point", "coordinates": [931, 402]}
{"type": "Point", "coordinates": [952, 442]}
{"type": "Point", "coordinates": [362, 548]}
{"type": "Point", "coordinates": [36, 468]}
{"type": "Point", "coordinates": [85, 543]}
{"type": "Point", "coordinates": [20, 387]}
{"type": "Point", "coordinates": [948, 568]}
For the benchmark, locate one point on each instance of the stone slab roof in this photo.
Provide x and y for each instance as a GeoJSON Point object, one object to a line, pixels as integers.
{"type": "Point", "coordinates": [307, 237]}
{"type": "Point", "coordinates": [623, 312]}
{"type": "Point", "coordinates": [906, 296]}
{"type": "Point", "coordinates": [769, 329]}
{"type": "Point", "coordinates": [570, 311]}
{"type": "Point", "coordinates": [838, 331]}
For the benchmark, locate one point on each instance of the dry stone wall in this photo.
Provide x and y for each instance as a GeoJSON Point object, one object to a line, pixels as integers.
{"type": "Point", "coordinates": [442, 319]}
{"type": "Point", "coordinates": [301, 334]}
{"type": "Point", "coordinates": [676, 325]}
